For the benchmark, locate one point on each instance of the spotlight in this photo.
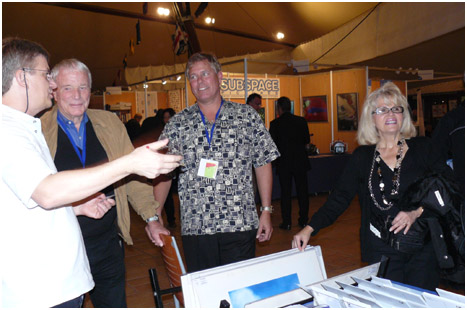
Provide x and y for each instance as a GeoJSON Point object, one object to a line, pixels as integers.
{"type": "Point", "coordinates": [280, 35]}
{"type": "Point", "coordinates": [145, 85]}
{"type": "Point", "coordinates": [210, 20]}
{"type": "Point", "coordinates": [164, 82]}
{"type": "Point", "coordinates": [163, 11]}
{"type": "Point", "coordinates": [179, 77]}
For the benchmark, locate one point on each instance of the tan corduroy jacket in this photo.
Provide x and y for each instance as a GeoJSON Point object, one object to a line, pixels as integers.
{"type": "Point", "coordinates": [114, 139]}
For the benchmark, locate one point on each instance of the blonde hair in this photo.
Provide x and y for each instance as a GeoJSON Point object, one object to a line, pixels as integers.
{"type": "Point", "coordinates": [210, 58]}
{"type": "Point", "coordinates": [367, 133]}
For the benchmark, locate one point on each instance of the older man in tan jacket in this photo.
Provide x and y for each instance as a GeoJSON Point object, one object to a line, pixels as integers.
{"type": "Point", "coordinates": [79, 137]}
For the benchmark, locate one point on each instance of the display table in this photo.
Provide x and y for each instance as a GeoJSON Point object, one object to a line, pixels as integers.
{"type": "Point", "coordinates": [322, 177]}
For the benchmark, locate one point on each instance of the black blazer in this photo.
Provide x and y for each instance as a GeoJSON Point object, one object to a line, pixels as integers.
{"type": "Point", "coordinates": [291, 135]}
{"type": "Point", "coordinates": [421, 158]}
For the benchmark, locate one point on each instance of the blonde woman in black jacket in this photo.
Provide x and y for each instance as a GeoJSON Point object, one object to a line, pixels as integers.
{"type": "Point", "coordinates": [389, 159]}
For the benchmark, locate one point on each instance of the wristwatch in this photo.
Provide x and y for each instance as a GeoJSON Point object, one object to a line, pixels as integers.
{"type": "Point", "coordinates": [267, 208]}
{"type": "Point", "coordinates": [153, 218]}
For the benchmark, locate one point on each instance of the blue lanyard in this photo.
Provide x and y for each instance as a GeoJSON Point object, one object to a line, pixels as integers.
{"type": "Point", "coordinates": [81, 154]}
{"type": "Point", "coordinates": [209, 137]}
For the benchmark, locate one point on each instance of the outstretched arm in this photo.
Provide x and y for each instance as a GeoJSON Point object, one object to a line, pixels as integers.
{"type": "Point", "coordinates": [78, 184]}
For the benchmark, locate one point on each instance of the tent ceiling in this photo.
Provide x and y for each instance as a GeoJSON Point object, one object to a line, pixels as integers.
{"type": "Point", "coordinates": [101, 40]}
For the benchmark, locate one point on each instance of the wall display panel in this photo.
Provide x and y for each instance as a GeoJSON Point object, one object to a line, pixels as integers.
{"type": "Point", "coordinates": [347, 112]}
{"type": "Point", "coordinates": [348, 82]}
{"type": "Point", "coordinates": [312, 86]}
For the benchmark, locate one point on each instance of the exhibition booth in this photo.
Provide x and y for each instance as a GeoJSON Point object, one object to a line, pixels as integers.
{"type": "Point", "coordinates": [329, 99]}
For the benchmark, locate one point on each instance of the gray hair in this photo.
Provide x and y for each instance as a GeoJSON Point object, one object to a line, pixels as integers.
{"type": "Point", "coordinates": [71, 63]}
{"type": "Point", "coordinates": [17, 54]}
{"type": "Point", "coordinates": [213, 62]}
{"type": "Point", "coordinates": [367, 133]}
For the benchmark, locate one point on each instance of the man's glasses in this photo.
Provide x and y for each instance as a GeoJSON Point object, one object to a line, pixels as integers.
{"type": "Point", "coordinates": [385, 110]}
{"type": "Point", "coordinates": [48, 74]}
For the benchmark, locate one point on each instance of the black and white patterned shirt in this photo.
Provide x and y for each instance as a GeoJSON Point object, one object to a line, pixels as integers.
{"type": "Point", "coordinates": [239, 141]}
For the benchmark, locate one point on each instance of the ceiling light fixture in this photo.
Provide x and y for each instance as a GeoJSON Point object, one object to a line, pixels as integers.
{"type": "Point", "coordinates": [163, 11]}
{"type": "Point", "coordinates": [164, 82]}
{"type": "Point", "coordinates": [179, 78]}
{"type": "Point", "coordinates": [145, 85]}
{"type": "Point", "coordinates": [210, 20]}
{"type": "Point", "coordinates": [280, 35]}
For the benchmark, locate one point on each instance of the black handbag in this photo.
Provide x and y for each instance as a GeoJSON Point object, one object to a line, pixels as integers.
{"type": "Point", "coordinates": [412, 242]}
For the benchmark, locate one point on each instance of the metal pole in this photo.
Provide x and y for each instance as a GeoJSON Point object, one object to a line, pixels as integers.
{"type": "Point", "coordinates": [186, 93]}
{"type": "Point", "coordinates": [245, 71]}
{"type": "Point", "coordinates": [145, 100]}
{"type": "Point", "coordinates": [332, 107]}
{"type": "Point", "coordinates": [300, 103]}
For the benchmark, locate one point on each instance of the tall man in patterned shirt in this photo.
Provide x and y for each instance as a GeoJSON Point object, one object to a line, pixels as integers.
{"type": "Point", "coordinates": [220, 141]}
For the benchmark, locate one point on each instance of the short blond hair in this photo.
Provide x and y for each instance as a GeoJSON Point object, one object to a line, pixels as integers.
{"type": "Point", "coordinates": [210, 58]}
{"type": "Point", "coordinates": [367, 133]}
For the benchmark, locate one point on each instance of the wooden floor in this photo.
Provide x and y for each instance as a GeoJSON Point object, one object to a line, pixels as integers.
{"type": "Point", "coordinates": [339, 243]}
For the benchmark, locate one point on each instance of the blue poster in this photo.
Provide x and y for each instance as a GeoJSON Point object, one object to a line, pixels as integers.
{"type": "Point", "coordinates": [240, 297]}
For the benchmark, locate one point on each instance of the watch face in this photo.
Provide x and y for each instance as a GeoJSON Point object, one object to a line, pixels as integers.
{"type": "Point", "coordinates": [151, 219]}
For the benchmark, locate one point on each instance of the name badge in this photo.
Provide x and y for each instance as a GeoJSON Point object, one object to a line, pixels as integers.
{"type": "Point", "coordinates": [208, 168]}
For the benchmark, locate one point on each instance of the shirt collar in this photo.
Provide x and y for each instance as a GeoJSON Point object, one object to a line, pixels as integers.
{"type": "Point", "coordinates": [69, 123]}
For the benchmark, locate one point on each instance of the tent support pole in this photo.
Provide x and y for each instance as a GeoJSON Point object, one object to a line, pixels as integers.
{"type": "Point", "coordinates": [245, 71]}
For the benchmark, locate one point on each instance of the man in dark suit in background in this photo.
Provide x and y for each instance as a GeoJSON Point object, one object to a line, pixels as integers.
{"type": "Point", "coordinates": [291, 135]}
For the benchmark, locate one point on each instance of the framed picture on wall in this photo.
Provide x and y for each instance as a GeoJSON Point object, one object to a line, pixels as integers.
{"type": "Point", "coordinates": [315, 108]}
{"type": "Point", "coordinates": [347, 113]}
{"type": "Point", "coordinates": [276, 108]}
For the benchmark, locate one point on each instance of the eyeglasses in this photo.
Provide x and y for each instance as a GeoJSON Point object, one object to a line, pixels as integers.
{"type": "Point", "coordinates": [48, 74]}
{"type": "Point", "coordinates": [385, 110]}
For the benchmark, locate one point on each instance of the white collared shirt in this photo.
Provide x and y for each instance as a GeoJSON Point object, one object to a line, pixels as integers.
{"type": "Point", "coordinates": [43, 261]}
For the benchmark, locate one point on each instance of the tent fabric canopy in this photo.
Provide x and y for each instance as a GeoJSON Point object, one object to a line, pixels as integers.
{"type": "Point", "coordinates": [391, 27]}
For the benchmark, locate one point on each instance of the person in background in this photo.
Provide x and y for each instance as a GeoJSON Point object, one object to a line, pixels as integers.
{"type": "Point", "coordinates": [449, 138]}
{"type": "Point", "coordinates": [220, 141]}
{"type": "Point", "coordinates": [153, 123]}
{"type": "Point", "coordinates": [389, 159]}
{"type": "Point", "coordinates": [254, 101]}
{"type": "Point", "coordinates": [133, 126]}
{"type": "Point", "coordinates": [44, 262]}
{"type": "Point", "coordinates": [291, 135]}
{"type": "Point", "coordinates": [167, 115]}
{"type": "Point", "coordinates": [79, 137]}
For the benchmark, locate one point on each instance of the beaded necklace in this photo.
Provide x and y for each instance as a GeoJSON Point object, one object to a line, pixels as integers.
{"type": "Point", "coordinates": [395, 179]}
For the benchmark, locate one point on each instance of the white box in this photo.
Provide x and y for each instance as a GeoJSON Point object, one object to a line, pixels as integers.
{"type": "Point", "coordinates": [206, 288]}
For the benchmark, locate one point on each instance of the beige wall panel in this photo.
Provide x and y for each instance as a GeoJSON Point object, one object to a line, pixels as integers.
{"type": "Point", "coordinates": [319, 85]}
{"type": "Point", "coordinates": [348, 81]}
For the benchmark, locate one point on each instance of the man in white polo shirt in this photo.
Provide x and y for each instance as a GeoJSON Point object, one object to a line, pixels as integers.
{"type": "Point", "coordinates": [43, 261]}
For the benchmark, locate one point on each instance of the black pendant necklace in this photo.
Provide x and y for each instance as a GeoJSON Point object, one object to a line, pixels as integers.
{"type": "Point", "coordinates": [388, 203]}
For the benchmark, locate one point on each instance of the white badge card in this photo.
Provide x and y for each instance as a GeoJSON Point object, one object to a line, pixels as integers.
{"type": "Point", "coordinates": [208, 168]}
